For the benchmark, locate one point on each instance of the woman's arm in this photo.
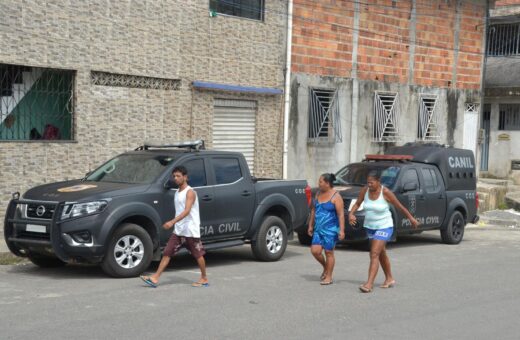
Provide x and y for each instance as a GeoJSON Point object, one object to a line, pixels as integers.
{"type": "Point", "coordinates": [360, 199]}
{"type": "Point", "coordinates": [390, 197]}
{"type": "Point", "coordinates": [310, 229]}
{"type": "Point", "coordinates": [340, 211]}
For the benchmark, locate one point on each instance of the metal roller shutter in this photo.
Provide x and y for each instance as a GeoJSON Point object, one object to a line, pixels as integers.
{"type": "Point", "coordinates": [234, 124]}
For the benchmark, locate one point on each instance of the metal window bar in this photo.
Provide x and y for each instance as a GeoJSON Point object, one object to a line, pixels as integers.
{"type": "Point", "coordinates": [509, 117]}
{"type": "Point", "coordinates": [428, 119]}
{"type": "Point", "coordinates": [36, 103]}
{"type": "Point", "coordinates": [386, 117]}
{"type": "Point", "coordinates": [324, 116]}
{"type": "Point", "coordinates": [503, 40]}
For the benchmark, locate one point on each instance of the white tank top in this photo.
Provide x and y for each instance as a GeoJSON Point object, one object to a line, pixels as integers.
{"type": "Point", "coordinates": [377, 212]}
{"type": "Point", "coordinates": [189, 226]}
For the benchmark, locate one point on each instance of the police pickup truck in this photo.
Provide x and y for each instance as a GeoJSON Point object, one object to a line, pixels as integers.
{"type": "Point", "coordinates": [114, 215]}
{"type": "Point", "coordinates": [437, 184]}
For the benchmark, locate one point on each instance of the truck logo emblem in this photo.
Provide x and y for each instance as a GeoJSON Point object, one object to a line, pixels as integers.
{"type": "Point", "coordinates": [40, 211]}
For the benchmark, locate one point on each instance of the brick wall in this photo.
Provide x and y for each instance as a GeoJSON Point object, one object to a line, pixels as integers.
{"type": "Point", "coordinates": [167, 39]}
{"type": "Point", "coordinates": [323, 32]}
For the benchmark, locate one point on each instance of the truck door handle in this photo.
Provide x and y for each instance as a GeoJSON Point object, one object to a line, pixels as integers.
{"type": "Point", "coordinates": [441, 196]}
{"type": "Point", "coordinates": [207, 198]}
{"type": "Point", "coordinates": [421, 197]}
{"type": "Point", "coordinates": [246, 193]}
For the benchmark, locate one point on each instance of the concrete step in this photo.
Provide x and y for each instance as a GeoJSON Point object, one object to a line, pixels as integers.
{"type": "Point", "coordinates": [512, 200]}
{"type": "Point", "coordinates": [507, 218]}
{"type": "Point", "coordinates": [495, 182]}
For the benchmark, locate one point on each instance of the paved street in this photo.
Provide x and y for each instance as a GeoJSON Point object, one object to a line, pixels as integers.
{"type": "Point", "coordinates": [470, 291]}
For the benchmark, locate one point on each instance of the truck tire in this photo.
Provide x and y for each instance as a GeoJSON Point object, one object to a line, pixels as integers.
{"type": "Point", "coordinates": [129, 252]}
{"type": "Point", "coordinates": [45, 261]}
{"type": "Point", "coordinates": [304, 239]}
{"type": "Point", "coordinates": [271, 239]}
{"type": "Point", "coordinates": [454, 231]}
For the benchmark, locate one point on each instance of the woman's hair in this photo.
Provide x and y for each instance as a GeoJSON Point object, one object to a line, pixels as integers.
{"type": "Point", "coordinates": [329, 179]}
{"type": "Point", "coordinates": [374, 174]}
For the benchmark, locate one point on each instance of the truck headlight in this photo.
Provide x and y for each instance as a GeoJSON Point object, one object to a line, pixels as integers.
{"type": "Point", "coordinates": [83, 209]}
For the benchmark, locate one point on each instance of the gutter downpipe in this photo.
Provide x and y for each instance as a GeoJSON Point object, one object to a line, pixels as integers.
{"type": "Point", "coordinates": [287, 95]}
{"type": "Point", "coordinates": [478, 156]}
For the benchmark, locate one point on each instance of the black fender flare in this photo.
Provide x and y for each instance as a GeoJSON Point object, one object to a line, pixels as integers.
{"type": "Point", "coordinates": [456, 204]}
{"type": "Point", "coordinates": [270, 201]}
{"type": "Point", "coordinates": [134, 209]}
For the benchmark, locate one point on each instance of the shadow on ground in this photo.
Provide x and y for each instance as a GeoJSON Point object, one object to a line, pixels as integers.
{"type": "Point", "coordinates": [216, 258]}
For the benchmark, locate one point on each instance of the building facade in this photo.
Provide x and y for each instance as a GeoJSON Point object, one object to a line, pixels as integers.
{"type": "Point", "coordinates": [83, 81]}
{"type": "Point", "coordinates": [500, 154]}
{"type": "Point", "coordinates": [367, 75]}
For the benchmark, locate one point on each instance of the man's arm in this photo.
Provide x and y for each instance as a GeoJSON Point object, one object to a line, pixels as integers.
{"type": "Point", "coordinates": [190, 200]}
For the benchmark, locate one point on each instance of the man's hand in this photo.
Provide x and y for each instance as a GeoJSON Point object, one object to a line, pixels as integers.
{"type": "Point", "coordinates": [341, 235]}
{"type": "Point", "coordinates": [352, 219]}
{"type": "Point", "coordinates": [310, 231]}
{"type": "Point", "coordinates": [168, 225]}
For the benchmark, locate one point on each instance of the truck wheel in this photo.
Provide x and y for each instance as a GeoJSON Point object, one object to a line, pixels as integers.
{"type": "Point", "coordinates": [45, 261]}
{"type": "Point", "coordinates": [304, 239]}
{"type": "Point", "coordinates": [129, 252]}
{"type": "Point", "coordinates": [454, 231]}
{"type": "Point", "coordinates": [271, 239]}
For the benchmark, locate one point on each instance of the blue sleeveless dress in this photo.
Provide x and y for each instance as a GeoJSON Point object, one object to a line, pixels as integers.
{"type": "Point", "coordinates": [326, 224]}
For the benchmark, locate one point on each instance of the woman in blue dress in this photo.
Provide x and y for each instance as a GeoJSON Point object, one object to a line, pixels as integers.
{"type": "Point", "coordinates": [326, 225]}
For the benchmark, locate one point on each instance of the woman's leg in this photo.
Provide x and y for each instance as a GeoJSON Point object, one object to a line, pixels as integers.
{"type": "Point", "coordinates": [385, 264]}
{"type": "Point", "coordinates": [376, 247]}
{"type": "Point", "coordinates": [329, 265]}
{"type": "Point", "coordinates": [317, 252]}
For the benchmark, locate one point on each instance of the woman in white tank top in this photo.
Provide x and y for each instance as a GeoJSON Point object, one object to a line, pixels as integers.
{"type": "Point", "coordinates": [379, 226]}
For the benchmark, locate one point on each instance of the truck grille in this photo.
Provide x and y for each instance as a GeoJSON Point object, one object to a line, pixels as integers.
{"type": "Point", "coordinates": [42, 211]}
{"type": "Point", "coordinates": [33, 236]}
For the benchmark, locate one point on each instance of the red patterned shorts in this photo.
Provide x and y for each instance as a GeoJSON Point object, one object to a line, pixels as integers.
{"type": "Point", "coordinates": [192, 244]}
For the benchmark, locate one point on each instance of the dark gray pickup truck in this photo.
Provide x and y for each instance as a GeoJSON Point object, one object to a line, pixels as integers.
{"type": "Point", "coordinates": [437, 184]}
{"type": "Point", "coordinates": [114, 215]}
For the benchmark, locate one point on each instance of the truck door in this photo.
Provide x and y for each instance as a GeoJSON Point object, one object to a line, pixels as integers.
{"type": "Point", "coordinates": [234, 196]}
{"type": "Point", "coordinates": [435, 197]}
{"type": "Point", "coordinates": [197, 179]}
{"type": "Point", "coordinates": [412, 197]}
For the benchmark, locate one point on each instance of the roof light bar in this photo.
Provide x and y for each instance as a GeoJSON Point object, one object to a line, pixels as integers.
{"type": "Point", "coordinates": [388, 157]}
{"type": "Point", "coordinates": [155, 144]}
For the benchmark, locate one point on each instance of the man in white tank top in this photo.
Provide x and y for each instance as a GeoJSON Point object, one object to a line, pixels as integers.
{"type": "Point", "coordinates": [187, 230]}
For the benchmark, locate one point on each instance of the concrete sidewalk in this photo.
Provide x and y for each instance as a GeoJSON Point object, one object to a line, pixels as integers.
{"type": "Point", "coordinates": [3, 246]}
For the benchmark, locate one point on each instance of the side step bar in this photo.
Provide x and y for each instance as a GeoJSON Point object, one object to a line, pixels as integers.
{"type": "Point", "coordinates": [207, 246]}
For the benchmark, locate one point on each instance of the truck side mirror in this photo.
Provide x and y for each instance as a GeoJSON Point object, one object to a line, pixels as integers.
{"type": "Point", "coordinates": [410, 186]}
{"type": "Point", "coordinates": [170, 184]}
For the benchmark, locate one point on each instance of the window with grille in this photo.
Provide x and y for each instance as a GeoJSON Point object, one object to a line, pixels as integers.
{"type": "Point", "coordinates": [428, 130]}
{"type": "Point", "coordinates": [251, 9]}
{"type": "Point", "coordinates": [35, 103]}
{"type": "Point", "coordinates": [386, 117]}
{"type": "Point", "coordinates": [324, 116]}
{"type": "Point", "coordinates": [503, 39]}
{"type": "Point", "coordinates": [509, 117]}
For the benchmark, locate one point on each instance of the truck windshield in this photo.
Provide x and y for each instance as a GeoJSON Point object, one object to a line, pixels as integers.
{"type": "Point", "coordinates": [356, 174]}
{"type": "Point", "coordinates": [132, 169]}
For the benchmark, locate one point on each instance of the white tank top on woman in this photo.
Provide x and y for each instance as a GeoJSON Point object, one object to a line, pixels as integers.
{"type": "Point", "coordinates": [377, 212]}
{"type": "Point", "coordinates": [189, 226]}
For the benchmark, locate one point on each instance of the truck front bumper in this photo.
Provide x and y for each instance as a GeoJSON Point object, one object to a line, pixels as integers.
{"type": "Point", "coordinates": [51, 236]}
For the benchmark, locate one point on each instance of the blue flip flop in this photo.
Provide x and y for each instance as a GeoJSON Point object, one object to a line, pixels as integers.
{"type": "Point", "coordinates": [148, 281]}
{"type": "Point", "coordinates": [200, 284]}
